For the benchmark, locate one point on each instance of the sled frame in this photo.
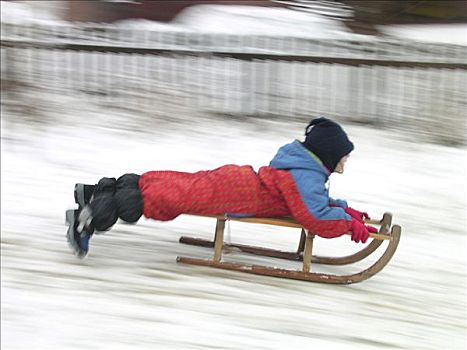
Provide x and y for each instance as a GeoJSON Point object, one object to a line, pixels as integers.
{"type": "Point", "coordinates": [303, 253]}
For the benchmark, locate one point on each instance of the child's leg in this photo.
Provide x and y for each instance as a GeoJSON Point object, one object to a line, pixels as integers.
{"type": "Point", "coordinates": [99, 207]}
{"type": "Point", "coordinates": [128, 198]}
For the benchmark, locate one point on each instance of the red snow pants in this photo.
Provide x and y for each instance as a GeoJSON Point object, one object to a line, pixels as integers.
{"type": "Point", "coordinates": [230, 189]}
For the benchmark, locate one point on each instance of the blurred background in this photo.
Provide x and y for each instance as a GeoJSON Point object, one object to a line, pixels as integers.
{"type": "Point", "coordinates": [100, 88]}
{"type": "Point", "coordinates": [394, 64]}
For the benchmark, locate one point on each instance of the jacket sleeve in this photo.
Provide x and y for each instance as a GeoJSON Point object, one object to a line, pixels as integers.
{"type": "Point", "coordinates": [338, 203]}
{"type": "Point", "coordinates": [309, 204]}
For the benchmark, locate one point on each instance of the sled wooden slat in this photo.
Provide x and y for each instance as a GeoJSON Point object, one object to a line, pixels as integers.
{"type": "Point", "coordinates": [289, 222]}
{"type": "Point", "coordinates": [304, 252]}
{"type": "Point", "coordinates": [219, 239]}
{"type": "Point", "coordinates": [296, 255]}
{"type": "Point", "coordinates": [307, 252]}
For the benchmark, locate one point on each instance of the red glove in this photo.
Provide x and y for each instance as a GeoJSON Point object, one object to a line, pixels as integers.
{"type": "Point", "coordinates": [358, 215]}
{"type": "Point", "coordinates": [360, 232]}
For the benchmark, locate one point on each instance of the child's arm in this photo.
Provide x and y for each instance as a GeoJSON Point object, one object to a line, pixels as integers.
{"type": "Point", "coordinates": [337, 203]}
{"type": "Point", "coordinates": [354, 213]}
{"type": "Point", "coordinates": [309, 205]}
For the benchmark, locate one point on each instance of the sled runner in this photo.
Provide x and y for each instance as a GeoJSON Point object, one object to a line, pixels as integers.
{"type": "Point", "coordinates": [304, 252]}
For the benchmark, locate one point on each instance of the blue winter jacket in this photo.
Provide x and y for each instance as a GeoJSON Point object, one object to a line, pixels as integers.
{"type": "Point", "coordinates": [310, 177]}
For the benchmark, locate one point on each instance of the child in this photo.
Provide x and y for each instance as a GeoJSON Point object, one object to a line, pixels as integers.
{"type": "Point", "coordinates": [292, 185]}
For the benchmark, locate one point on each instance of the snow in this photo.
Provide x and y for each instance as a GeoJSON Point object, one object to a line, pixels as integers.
{"type": "Point", "coordinates": [440, 33]}
{"type": "Point", "coordinates": [259, 20]}
{"type": "Point", "coordinates": [39, 12]}
{"type": "Point", "coordinates": [246, 20]}
{"type": "Point", "coordinates": [130, 292]}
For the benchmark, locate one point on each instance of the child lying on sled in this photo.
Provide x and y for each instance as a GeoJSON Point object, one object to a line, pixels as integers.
{"type": "Point", "coordinates": [292, 185]}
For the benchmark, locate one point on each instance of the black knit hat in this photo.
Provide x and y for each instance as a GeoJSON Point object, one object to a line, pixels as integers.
{"type": "Point", "coordinates": [328, 141]}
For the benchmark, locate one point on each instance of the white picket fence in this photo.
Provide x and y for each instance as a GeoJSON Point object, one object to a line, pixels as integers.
{"type": "Point", "coordinates": [181, 73]}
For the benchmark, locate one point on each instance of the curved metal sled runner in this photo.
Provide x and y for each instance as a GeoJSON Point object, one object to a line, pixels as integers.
{"type": "Point", "coordinates": [387, 232]}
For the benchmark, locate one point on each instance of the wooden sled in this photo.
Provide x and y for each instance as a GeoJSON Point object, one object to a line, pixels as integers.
{"type": "Point", "coordinates": [303, 253]}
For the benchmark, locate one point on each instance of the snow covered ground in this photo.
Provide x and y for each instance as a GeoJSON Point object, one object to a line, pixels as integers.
{"type": "Point", "coordinates": [130, 292]}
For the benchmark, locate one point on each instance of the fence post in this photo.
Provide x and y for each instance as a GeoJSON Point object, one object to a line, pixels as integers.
{"type": "Point", "coordinates": [381, 91]}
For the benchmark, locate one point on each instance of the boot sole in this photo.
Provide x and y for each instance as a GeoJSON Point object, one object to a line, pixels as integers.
{"type": "Point", "coordinates": [70, 235]}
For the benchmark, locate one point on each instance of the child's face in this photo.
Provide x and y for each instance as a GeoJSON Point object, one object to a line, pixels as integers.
{"type": "Point", "coordinates": [340, 166]}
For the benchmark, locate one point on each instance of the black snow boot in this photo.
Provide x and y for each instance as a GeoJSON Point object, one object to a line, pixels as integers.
{"type": "Point", "coordinates": [78, 233]}
{"type": "Point", "coordinates": [83, 194]}
{"type": "Point", "coordinates": [97, 211]}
